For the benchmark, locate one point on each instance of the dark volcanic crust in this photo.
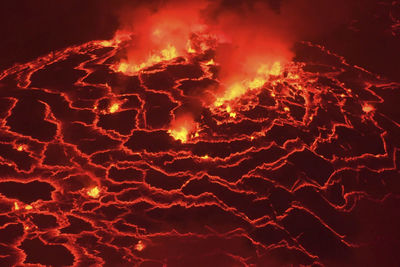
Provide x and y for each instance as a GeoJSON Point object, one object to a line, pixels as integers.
{"type": "Point", "coordinates": [307, 172]}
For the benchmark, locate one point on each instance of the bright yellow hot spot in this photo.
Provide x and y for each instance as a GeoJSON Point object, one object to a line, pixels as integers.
{"type": "Point", "coordinates": [106, 43]}
{"type": "Point", "coordinates": [287, 109]}
{"type": "Point", "coordinates": [123, 67]}
{"type": "Point", "coordinates": [179, 134]}
{"type": "Point", "coordinates": [189, 47]}
{"type": "Point", "coordinates": [20, 148]}
{"type": "Point", "coordinates": [94, 192]}
{"type": "Point", "coordinates": [205, 157]}
{"type": "Point", "coordinates": [139, 246]}
{"type": "Point", "coordinates": [114, 107]}
{"type": "Point", "coordinates": [210, 62]}
{"type": "Point", "coordinates": [16, 206]}
{"type": "Point", "coordinates": [28, 207]}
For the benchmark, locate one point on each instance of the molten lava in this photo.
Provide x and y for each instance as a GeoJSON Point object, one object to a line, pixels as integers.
{"type": "Point", "coordinates": [182, 128]}
{"type": "Point", "coordinates": [203, 134]}
{"type": "Point", "coordinates": [239, 88]}
{"type": "Point", "coordinates": [94, 192]}
{"type": "Point", "coordinates": [131, 68]}
{"type": "Point", "coordinates": [113, 108]}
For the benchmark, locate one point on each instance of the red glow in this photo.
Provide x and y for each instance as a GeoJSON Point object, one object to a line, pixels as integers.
{"type": "Point", "coordinates": [203, 134]}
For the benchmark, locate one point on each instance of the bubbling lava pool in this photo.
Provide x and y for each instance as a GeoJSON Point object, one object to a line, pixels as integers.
{"type": "Point", "coordinates": [109, 159]}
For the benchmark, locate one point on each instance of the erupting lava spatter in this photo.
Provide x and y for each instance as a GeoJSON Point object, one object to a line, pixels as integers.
{"type": "Point", "coordinates": [172, 157]}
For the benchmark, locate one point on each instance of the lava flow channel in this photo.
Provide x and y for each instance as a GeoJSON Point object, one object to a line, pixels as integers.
{"type": "Point", "coordinates": [162, 147]}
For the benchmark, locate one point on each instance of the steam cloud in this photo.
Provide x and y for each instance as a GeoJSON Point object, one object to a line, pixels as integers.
{"type": "Point", "coordinates": [251, 31]}
{"type": "Point", "coordinates": [250, 34]}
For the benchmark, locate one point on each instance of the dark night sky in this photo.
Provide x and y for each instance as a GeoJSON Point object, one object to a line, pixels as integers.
{"type": "Point", "coordinates": [33, 28]}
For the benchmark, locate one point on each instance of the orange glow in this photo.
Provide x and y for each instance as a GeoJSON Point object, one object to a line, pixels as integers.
{"type": "Point", "coordinates": [263, 73]}
{"type": "Point", "coordinates": [106, 43]}
{"type": "Point", "coordinates": [210, 62]}
{"type": "Point", "coordinates": [181, 128]}
{"type": "Point", "coordinates": [293, 76]}
{"type": "Point", "coordinates": [162, 34]}
{"type": "Point", "coordinates": [123, 67]}
{"type": "Point", "coordinates": [119, 37]}
{"type": "Point", "coordinates": [276, 69]}
{"type": "Point", "coordinates": [166, 54]}
{"type": "Point", "coordinates": [239, 88]}
{"type": "Point", "coordinates": [94, 192]}
{"type": "Point", "coordinates": [16, 206]}
{"type": "Point", "coordinates": [20, 148]}
{"type": "Point", "coordinates": [287, 109]}
{"type": "Point", "coordinates": [231, 113]}
{"type": "Point", "coordinates": [139, 246]}
{"type": "Point", "coordinates": [113, 108]}
{"type": "Point", "coordinates": [368, 108]}
{"type": "Point", "coordinates": [28, 207]}
{"type": "Point", "coordinates": [257, 83]}
{"type": "Point", "coordinates": [189, 47]}
{"type": "Point", "coordinates": [205, 157]}
{"type": "Point", "coordinates": [250, 55]}
{"type": "Point", "coordinates": [234, 91]}
{"type": "Point", "coordinates": [179, 134]}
